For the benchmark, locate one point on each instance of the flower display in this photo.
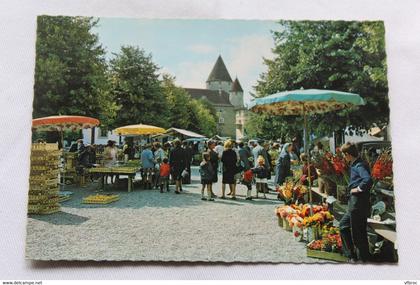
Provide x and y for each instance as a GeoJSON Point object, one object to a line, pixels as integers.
{"type": "Point", "coordinates": [331, 240]}
{"type": "Point", "coordinates": [291, 191]}
{"type": "Point", "coordinates": [299, 215]}
{"type": "Point", "coordinates": [382, 168]}
{"type": "Point", "coordinates": [333, 166]}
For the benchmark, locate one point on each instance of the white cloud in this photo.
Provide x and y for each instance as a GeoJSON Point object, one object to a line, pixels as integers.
{"type": "Point", "coordinates": [202, 48]}
{"type": "Point", "coordinates": [246, 59]}
{"type": "Point", "coordinates": [193, 74]}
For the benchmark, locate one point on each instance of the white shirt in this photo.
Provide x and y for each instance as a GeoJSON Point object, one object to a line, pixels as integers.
{"type": "Point", "coordinates": [219, 150]}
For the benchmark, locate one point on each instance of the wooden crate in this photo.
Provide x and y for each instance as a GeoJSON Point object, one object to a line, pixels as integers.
{"type": "Point", "coordinates": [94, 200]}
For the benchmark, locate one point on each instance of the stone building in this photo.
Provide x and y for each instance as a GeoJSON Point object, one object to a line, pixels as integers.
{"type": "Point", "coordinates": [226, 96]}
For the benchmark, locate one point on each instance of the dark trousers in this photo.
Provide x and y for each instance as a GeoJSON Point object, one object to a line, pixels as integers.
{"type": "Point", "coordinates": [353, 231]}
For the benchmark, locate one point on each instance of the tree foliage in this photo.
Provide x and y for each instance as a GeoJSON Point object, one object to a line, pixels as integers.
{"type": "Point", "coordinates": [70, 70]}
{"type": "Point", "coordinates": [336, 55]}
{"type": "Point", "coordinates": [137, 89]}
{"type": "Point", "coordinates": [185, 112]}
{"type": "Point", "coordinates": [178, 103]}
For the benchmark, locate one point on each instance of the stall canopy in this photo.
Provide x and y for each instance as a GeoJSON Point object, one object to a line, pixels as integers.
{"type": "Point", "coordinates": [61, 123]}
{"type": "Point", "coordinates": [305, 103]}
{"type": "Point", "coordinates": [219, 138]}
{"type": "Point", "coordinates": [186, 133]}
{"type": "Point", "coordinates": [138, 130]}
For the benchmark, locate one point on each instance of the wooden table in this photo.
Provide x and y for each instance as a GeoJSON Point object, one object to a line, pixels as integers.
{"type": "Point", "coordinates": [122, 170]}
{"type": "Point", "coordinates": [385, 231]}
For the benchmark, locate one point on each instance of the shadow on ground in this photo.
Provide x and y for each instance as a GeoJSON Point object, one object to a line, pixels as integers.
{"type": "Point", "coordinates": [60, 218]}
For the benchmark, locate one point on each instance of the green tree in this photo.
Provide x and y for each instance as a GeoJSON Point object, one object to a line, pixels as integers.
{"type": "Point", "coordinates": [137, 89]}
{"type": "Point", "coordinates": [337, 55]}
{"type": "Point", "coordinates": [185, 112]}
{"type": "Point", "coordinates": [201, 119]}
{"type": "Point", "coordinates": [70, 70]}
{"type": "Point", "coordinates": [178, 103]}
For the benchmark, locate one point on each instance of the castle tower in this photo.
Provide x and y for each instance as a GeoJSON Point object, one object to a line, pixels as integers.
{"type": "Point", "coordinates": [236, 98]}
{"type": "Point", "coordinates": [219, 78]}
{"type": "Point", "coordinates": [236, 94]}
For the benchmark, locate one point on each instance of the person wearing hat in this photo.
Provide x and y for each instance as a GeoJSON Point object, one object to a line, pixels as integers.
{"type": "Point", "coordinates": [148, 166]}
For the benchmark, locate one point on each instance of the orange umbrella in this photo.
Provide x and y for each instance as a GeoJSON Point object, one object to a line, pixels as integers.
{"type": "Point", "coordinates": [60, 123]}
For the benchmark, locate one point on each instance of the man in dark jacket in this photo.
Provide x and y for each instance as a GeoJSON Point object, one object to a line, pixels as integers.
{"type": "Point", "coordinates": [353, 225]}
{"type": "Point", "coordinates": [244, 156]}
{"type": "Point", "coordinates": [188, 160]}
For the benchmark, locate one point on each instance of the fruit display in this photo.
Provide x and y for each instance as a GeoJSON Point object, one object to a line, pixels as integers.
{"type": "Point", "coordinates": [101, 199]}
{"type": "Point", "coordinates": [43, 180]}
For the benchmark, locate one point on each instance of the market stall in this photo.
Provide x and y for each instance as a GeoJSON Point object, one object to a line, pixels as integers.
{"type": "Point", "coordinates": [305, 103]}
{"type": "Point", "coordinates": [103, 171]}
{"type": "Point", "coordinates": [381, 223]}
{"type": "Point", "coordinates": [60, 123]}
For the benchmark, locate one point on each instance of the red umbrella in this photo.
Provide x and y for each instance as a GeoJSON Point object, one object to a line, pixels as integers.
{"type": "Point", "coordinates": [60, 123]}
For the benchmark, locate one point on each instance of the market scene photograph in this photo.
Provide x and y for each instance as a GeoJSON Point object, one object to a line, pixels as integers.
{"type": "Point", "coordinates": [211, 141]}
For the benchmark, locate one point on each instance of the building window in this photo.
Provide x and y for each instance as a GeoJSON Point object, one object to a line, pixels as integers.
{"type": "Point", "coordinates": [221, 120]}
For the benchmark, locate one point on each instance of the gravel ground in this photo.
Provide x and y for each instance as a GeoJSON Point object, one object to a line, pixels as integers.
{"type": "Point", "coordinates": [151, 226]}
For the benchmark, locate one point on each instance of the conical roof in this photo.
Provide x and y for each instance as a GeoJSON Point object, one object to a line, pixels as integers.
{"type": "Point", "coordinates": [236, 86]}
{"type": "Point", "coordinates": [219, 72]}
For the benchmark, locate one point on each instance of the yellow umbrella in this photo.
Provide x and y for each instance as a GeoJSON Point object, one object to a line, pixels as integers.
{"type": "Point", "coordinates": [139, 129]}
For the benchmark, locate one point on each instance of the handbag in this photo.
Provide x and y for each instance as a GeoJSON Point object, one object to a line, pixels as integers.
{"type": "Point", "coordinates": [184, 173]}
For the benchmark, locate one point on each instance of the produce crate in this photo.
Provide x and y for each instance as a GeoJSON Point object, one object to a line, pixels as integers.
{"type": "Point", "coordinates": [50, 210]}
{"type": "Point", "coordinates": [40, 180]}
{"type": "Point", "coordinates": [44, 146]}
{"type": "Point", "coordinates": [64, 198]}
{"type": "Point", "coordinates": [34, 209]}
{"type": "Point", "coordinates": [43, 181]}
{"type": "Point", "coordinates": [334, 256]}
{"type": "Point", "coordinates": [100, 199]}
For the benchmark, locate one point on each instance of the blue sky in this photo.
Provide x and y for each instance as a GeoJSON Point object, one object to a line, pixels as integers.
{"type": "Point", "coordinates": [188, 49]}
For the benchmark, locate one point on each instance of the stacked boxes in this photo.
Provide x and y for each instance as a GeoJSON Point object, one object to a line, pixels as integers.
{"type": "Point", "coordinates": [43, 179]}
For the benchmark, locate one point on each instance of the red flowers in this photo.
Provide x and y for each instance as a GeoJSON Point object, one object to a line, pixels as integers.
{"type": "Point", "coordinates": [382, 167]}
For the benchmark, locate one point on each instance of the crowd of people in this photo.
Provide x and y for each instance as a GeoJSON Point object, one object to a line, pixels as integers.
{"type": "Point", "coordinates": [252, 163]}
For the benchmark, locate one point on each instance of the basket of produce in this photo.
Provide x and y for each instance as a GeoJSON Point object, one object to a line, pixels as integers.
{"type": "Point", "coordinates": [101, 199]}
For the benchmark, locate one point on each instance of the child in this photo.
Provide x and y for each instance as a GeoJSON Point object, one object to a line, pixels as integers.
{"type": "Point", "coordinates": [164, 172]}
{"type": "Point", "coordinates": [247, 181]}
{"type": "Point", "coordinates": [207, 173]}
{"type": "Point", "coordinates": [261, 173]}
